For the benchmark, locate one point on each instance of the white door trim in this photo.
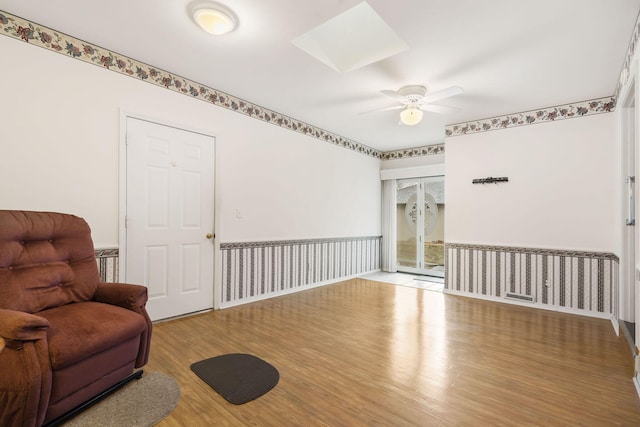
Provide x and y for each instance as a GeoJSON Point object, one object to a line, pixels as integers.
{"type": "Point", "coordinates": [412, 172]}
{"type": "Point", "coordinates": [628, 118]}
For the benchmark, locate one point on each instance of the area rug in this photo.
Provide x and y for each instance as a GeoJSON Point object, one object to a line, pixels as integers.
{"type": "Point", "coordinates": [239, 378]}
{"type": "Point", "coordinates": [141, 403]}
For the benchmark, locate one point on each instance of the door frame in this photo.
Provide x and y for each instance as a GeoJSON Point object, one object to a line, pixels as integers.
{"type": "Point", "coordinates": [122, 195]}
{"type": "Point", "coordinates": [629, 128]}
{"type": "Point", "coordinates": [420, 268]}
{"type": "Point", "coordinates": [436, 167]}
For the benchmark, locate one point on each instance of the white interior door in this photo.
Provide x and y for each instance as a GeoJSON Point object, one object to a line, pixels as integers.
{"type": "Point", "coordinates": [169, 216]}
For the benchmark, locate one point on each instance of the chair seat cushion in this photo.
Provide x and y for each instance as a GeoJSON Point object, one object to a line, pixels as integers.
{"type": "Point", "coordinates": [80, 330]}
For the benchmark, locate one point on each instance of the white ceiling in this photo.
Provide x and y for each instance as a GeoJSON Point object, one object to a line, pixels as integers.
{"type": "Point", "coordinates": [508, 55]}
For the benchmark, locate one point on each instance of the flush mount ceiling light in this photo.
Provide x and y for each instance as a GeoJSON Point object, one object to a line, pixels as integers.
{"type": "Point", "coordinates": [411, 115]}
{"type": "Point", "coordinates": [214, 18]}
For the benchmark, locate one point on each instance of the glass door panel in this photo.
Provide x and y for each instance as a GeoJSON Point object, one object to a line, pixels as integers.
{"type": "Point", "coordinates": [420, 225]}
{"type": "Point", "coordinates": [433, 226]}
{"type": "Point", "coordinates": [407, 244]}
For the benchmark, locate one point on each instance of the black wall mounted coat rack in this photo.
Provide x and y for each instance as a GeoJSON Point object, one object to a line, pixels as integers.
{"type": "Point", "coordinates": [490, 180]}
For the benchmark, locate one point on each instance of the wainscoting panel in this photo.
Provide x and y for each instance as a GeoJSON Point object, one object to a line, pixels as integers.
{"type": "Point", "coordinates": [108, 264]}
{"type": "Point", "coordinates": [564, 280]}
{"type": "Point", "coordinates": [256, 270]}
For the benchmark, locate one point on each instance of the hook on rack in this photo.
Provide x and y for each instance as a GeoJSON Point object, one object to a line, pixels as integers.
{"type": "Point", "coordinates": [490, 180]}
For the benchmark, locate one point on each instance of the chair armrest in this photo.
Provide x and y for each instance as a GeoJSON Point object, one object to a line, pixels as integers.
{"type": "Point", "coordinates": [131, 297]}
{"type": "Point", "coordinates": [134, 298]}
{"type": "Point", "coordinates": [19, 326]}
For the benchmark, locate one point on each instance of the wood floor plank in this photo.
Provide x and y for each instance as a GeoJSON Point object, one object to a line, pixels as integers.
{"type": "Point", "coordinates": [364, 353]}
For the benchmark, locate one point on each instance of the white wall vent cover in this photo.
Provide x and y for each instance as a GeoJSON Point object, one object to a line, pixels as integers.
{"type": "Point", "coordinates": [519, 297]}
{"type": "Point", "coordinates": [351, 40]}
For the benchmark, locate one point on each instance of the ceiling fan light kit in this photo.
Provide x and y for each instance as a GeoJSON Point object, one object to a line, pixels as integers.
{"type": "Point", "coordinates": [411, 116]}
{"type": "Point", "coordinates": [214, 18]}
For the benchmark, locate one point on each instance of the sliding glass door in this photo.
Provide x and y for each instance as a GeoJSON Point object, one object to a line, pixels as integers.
{"type": "Point", "coordinates": [420, 225]}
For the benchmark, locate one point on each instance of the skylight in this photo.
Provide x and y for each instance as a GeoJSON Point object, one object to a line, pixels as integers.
{"type": "Point", "coordinates": [351, 40]}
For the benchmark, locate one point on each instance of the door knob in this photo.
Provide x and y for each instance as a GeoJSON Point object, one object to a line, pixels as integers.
{"type": "Point", "coordinates": [209, 236]}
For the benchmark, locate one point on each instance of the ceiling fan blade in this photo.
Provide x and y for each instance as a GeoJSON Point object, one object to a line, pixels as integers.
{"type": "Point", "coordinates": [438, 108]}
{"type": "Point", "coordinates": [441, 94]}
{"type": "Point", "coordinates": [397, 107]}
{"type": "Point", "coordinates": [395, 95]}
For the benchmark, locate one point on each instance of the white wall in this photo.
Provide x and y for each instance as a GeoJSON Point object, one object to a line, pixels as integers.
{"type": "Point", "coordinates": [559, 195]}
{"type": "Point", "coordinates": [60, 143]}
{"type": "Point", "coordinates": [291, 186]}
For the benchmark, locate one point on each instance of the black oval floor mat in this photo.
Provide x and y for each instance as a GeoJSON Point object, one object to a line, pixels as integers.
{"type": "Point", "coordinates": [239, 378]}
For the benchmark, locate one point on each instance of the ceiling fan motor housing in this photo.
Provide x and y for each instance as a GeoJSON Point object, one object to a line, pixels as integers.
{"type": "Point", "coordinates": [413, 92]}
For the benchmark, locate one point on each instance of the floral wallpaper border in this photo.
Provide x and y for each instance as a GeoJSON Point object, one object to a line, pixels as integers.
{"type": "Point", "coordinates": [428, 150]}
{"type": "Point", "coordinates": [38, 35]}
{"type": "Point", "coordinates": [550, 114]}
{"type": "Point", "coordinates": [32, 33]}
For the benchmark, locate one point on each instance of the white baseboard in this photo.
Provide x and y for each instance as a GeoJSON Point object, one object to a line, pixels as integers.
{"type": "Point", "coordinates": [616, 325]}
{"type": "Point", "coordinates": [292, 290]}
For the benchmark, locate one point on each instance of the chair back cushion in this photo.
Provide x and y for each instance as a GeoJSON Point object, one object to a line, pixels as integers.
{"type": "Point", "coordinates": [46, 260]}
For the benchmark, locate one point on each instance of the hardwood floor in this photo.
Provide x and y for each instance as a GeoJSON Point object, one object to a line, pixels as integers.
{"type": "Point", "coordinates": [364, 353]}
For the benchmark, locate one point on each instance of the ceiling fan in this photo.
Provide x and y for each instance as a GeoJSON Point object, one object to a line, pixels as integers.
{"type": "Point", "coordinates": [414, 100]}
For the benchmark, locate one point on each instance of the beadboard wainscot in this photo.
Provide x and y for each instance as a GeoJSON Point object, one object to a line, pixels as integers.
{"type": "Point", "coordinates": [253, 271]}
{"type": "Point", "coordinates": [561, 280]}
{"type": "Point", "coordinates": [108, 260]}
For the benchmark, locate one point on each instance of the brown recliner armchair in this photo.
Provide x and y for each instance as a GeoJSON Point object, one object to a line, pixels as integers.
{"type": "Point", "coordinates": [68, 336]}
